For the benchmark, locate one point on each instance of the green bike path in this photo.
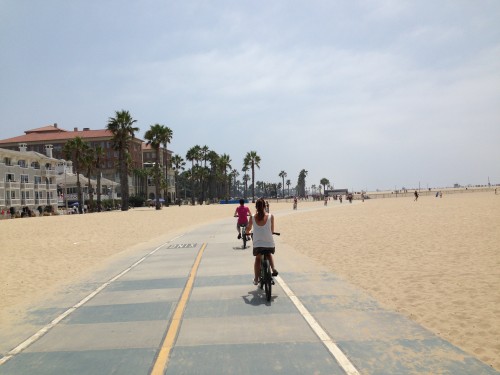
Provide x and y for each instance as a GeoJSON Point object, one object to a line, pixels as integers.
{"type": "Point", "coordinates": [227, 326]}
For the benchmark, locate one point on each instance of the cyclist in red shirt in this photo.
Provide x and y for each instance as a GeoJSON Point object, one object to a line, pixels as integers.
{"type": "Point", "coordinates": [242, 212]}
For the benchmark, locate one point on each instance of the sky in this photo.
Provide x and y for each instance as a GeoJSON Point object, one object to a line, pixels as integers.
{"type": "Point", "coordinates": [368, 94]}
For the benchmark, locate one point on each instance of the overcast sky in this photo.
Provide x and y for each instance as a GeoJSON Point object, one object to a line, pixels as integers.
{"type": "Point", "coordinates": [369, 94]}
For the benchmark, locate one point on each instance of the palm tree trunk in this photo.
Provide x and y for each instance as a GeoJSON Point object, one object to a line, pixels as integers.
{"type": "Point", "coordinates": [124, 181]}
{"type": "Point", "coordinates": [192, 182]}
{"type": "Point", "coordinates": [253, 183]}
{"type": "Point", "coordinates": [98, 190]}
{"type": "Point", "coordinates": [80, 195]}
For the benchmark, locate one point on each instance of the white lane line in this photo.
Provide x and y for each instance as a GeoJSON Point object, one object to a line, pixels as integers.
{"type": "Point", "coordinates": [341, 358]}
{"type": "Point", "coordinates": [25, 344]}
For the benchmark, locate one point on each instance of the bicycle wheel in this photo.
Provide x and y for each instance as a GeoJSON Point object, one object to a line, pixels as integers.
{"type": "Point", "coordinates": [262, 273]}
{"type": "Point", "coordinates": [267, 280]}
{"type": "Point", "coordinates": [244, 236]}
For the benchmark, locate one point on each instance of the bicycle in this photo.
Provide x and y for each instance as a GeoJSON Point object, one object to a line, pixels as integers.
{"type": "Point", "coordinates": [244, 235]}
{"type": "Point", "coordinates": [266, 280]}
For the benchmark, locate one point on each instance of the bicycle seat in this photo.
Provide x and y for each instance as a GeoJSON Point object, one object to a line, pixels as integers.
{"type": "Point", "coordinates": [266, 251]}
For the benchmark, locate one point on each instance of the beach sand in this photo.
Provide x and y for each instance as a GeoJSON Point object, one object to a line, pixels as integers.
{"type": "Point", "coordinates": [436, 260]}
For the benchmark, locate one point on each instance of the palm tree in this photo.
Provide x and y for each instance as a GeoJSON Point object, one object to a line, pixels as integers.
{"type": "Point", "coordinates": [142, 175]}
{"type": "Point", "coordinates": [283, 175]}
{"type": "Point", "coordinates": [224, 165]}
{"type": "Point", "coordinates": [234, 174]}
{"type": "Point", "coordinates": [123, 130]}
{"type": "Point", "coordinates": [178, 164]}
{"type": "Point", "coordinates": [99, 154]}
{"type": "Point", "coordinates": [193, 154]}
{"type": "Point", "coordinates": [252, 160]}
{"type": "Point", "coordinates": [204, 153]}
{"type": "Point", "coordinates": [213, 158]}
{"type": "Point", "coordinates": [301, 183]}
{"type": "Point", "coordinates": [324, 182]}
{"type": "Point", "coordinates": [245, 178]}
{"type": "Point", "coordinates": [74, 149]}
{"type": "Point", "coordinates": [156, 136]}
{"type": "Point", "coordinates": [89, 165]}
{"type": "Point", "coordinates": [288, 183]}
{"type": "Point", "coordinates": [168, 138]}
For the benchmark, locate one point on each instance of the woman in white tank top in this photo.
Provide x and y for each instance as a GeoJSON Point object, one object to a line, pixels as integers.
{"type": "Point", "coordinates": [263, 228]}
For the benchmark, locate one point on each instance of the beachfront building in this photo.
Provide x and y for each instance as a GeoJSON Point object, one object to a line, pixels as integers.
{"type": "Point", "coordinates": [67, 188]}
{"type": "Point", "coordinates": [167, 174]}
{"type": "Point", "coordinates": [38, 139]}
{"type": "Point", "coordinates": [27, 180]}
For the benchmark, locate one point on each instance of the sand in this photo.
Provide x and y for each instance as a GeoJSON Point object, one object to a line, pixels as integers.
{"type": "Point", "coordinates": [436, 260]}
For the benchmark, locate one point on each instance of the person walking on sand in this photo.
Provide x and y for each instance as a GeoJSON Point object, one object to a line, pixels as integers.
{"type": "Point", "coordinates": [416, 195]}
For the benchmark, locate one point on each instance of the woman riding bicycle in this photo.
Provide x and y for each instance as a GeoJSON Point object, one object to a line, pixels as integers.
{"type": "Point", "coordinates": [242, 212]}
{"type": "Point", "coordinates": [262, 237]}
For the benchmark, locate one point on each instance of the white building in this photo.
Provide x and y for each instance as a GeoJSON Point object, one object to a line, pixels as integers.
{"type": "Point", "coordinates": [27, 179]}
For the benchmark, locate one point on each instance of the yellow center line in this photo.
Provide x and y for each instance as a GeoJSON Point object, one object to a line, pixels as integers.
{"type": "Point", "coordinates": [168, 343]}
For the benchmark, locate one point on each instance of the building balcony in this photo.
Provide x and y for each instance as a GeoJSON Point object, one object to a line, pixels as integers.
{"type": "Point", "coordinates": [12, 202]}
{"type": "Point", "coordinates": [27, 202]}
{"type": "Point", "coordinates": [48, 172]}
{"type": "Point", "coordinates": [13, 185]}
{"type": "Point", "coordinates": [51, 201]}
{"type": "Point", "coordinates": [27, 185]}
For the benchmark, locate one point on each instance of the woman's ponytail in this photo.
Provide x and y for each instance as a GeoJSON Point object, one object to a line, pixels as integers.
{"type": "Point", "coordinates": [260, 206]}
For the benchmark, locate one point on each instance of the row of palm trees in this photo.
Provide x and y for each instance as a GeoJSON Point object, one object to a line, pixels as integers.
{"type": "Point", "coordinates": [89, 159]}
{"type": "Point", "coordinates": [211, 175]}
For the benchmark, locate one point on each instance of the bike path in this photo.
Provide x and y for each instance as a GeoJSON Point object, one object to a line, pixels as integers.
{"type": "Point", "coordinates": [227, 326]}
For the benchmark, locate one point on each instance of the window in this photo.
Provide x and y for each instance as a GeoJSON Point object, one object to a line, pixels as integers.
{"type": "Point", "coordinates": [38, 180]}
{"type": "Point", "coordinates": [9, 177]}
{"type": "Point", "coordinates": [22, 163]}
{"type": "Point", "coordinates": [24, 178]}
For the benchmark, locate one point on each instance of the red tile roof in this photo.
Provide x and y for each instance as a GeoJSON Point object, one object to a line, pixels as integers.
{"type": "Point", "coordinates": [46, 129]}
{"type": "Point", "coordinates": [51, 133]}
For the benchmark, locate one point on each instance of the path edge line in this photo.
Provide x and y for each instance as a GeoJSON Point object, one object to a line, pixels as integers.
{"type": "Point", "coordinates": [42, 331]}
{"type": "Point", "coordinates": [334, 350]}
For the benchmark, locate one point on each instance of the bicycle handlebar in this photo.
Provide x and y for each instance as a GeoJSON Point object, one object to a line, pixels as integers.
{"type": "Point", "coordinates": [275, 233]}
